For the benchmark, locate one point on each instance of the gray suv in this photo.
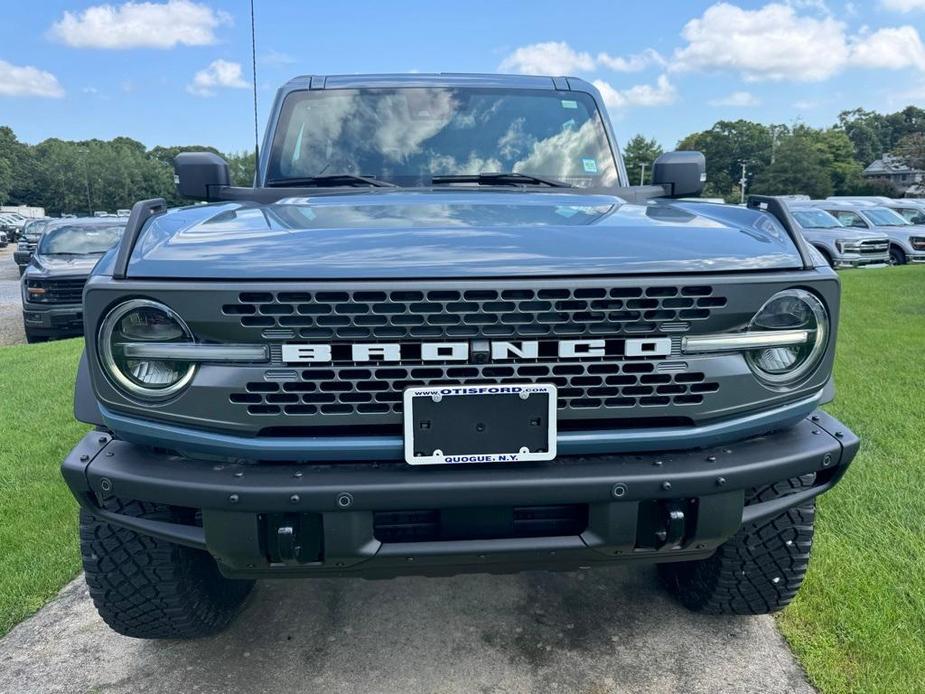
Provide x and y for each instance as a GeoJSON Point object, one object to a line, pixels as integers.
{"type": "Point", "coordinates": [841, 246]}
{"type": "Point", "coordinates": [442, 333]}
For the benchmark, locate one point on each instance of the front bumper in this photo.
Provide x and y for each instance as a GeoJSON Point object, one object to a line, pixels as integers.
{"type": "Point", "coordinates": [56, 320]}
{"type": "Point", "coordinates": [629, 503]}
{"type": "Point", "coordinates": [857, 260]}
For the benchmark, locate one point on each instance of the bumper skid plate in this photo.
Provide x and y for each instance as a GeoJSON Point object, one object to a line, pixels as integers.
{"type": "Point", "coordinates": [392, 518]}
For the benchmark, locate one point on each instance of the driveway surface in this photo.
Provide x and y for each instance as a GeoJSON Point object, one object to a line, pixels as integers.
{"type": "Point", "coordinates": [11, 332]}
{"type": "Point", "coordinates": [610, 630]}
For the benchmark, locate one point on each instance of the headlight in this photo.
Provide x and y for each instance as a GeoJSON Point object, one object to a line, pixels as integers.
{"type": "Point", "coordinates": [844, 246]}
{"type": "Point", "coordinates": [918, 242]}
{"type": "Point", "coordinates": [791, 310]}
{"type": "Point", "coordinates": [35, 291]}
{"type": "Point", "coordinates": [141, 321]}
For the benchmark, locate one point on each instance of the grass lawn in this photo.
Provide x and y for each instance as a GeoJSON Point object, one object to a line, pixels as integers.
{"type": "Point", "coordinates": [38, 515]}
{"type": "Point", "coordinates": [858, 624]}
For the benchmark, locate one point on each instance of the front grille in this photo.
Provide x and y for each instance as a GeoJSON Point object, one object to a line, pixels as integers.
{"type": "Point", "coordinates": [522, 312]}
{"type": "Point", "coordinates": [874, 247]}
{"type": "Point", "coordinates": [64, 291]}
{"type": "Point", "coordinates": [377, 389]}
{"type": "Point", "coordinates": [481, 523]}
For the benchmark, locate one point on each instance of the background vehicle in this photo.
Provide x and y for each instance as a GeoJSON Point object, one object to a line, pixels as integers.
{"type": "Point", "coordinates": [907, 241]}
{"type": "Point", "coordinates": [412, 349]}
{"type": "Point", "coordinates": [53, 282]}
{"type": "Point", "coordinates": [841, 246]}
{"type": "Point", "coordinates": [31, 234]}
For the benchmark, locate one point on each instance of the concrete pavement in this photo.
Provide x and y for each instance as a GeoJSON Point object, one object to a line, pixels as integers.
{"type": "Point", "coordinates": [611, 630]}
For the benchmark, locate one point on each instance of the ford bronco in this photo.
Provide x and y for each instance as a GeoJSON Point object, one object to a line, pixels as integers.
{"type": "Point", "coordinates": [440, 334]}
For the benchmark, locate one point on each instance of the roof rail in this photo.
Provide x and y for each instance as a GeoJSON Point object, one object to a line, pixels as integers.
{"type": "Point", "coordinates": [142, 211]}
{"type": "Point", "coordinates": [778, 207]}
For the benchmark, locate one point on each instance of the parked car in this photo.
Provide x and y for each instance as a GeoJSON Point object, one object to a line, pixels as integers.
{"type": "Point", "coordinates": [839, 245]}
{"type": "Point", "coordinates": [11, 224]}
{"type": "Point", "coordinates": [907, 241]}
{"type": "Point", "coordinates": [53, 282]}
{"type": "Point", "coordinates": [32, 232]}
{"type": "Point", "coordinates": [407, 349]}
{"type": "Point", "coordinates": [911, 209]}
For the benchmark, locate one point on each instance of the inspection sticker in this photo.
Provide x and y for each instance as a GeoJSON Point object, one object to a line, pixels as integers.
{"type": "Point", "coordinates": [569, 103]}
{"type": "Point", "coordinates": [590, 165]}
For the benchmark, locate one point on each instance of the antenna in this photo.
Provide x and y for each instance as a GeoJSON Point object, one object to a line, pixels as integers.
{"type": "Point", "coordinates": [254, 73]}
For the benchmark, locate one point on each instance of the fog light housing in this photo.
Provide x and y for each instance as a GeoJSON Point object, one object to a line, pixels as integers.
{"type": "Point", "coordinates": [144, 321]}
{"type": "Point", "coordinates": [793, 309]}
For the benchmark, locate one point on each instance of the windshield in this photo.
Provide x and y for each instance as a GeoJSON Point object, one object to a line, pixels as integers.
{"type": "Point", "coordinates": [913, 215]}
{"type": "Point", "coordinates": [815, 219]}
{"type": "Point", "coordinates": [407, 136]}
{"type": "Point", "coordinates": [883, 217]}
{"type": "Point", "coordinates": [83, 239]}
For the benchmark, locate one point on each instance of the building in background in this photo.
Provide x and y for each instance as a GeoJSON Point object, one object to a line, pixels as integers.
{"type": "Point", "coordinates": [889, 169]}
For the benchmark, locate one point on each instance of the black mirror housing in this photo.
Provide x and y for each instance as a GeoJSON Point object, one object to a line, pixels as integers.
{"type": "Point", "coordinates": [682, 173]}
{"type": "Point", "coordinates": [199, 175]}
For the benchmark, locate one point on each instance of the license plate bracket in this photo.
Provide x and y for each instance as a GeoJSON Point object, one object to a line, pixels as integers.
{"type": "Point", "coordinates": [505, 423]}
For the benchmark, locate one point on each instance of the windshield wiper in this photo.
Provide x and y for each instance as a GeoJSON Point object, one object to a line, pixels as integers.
{"type": "Point", "coordinates": [500, 178]}
{"type": "Point", "coordinates": [341, 179]}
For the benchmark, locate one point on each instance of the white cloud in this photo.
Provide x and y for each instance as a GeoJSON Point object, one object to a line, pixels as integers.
{"type": "Point", "coordinates": [903, 5]}
{"type": "Point", "coordinates": [140, 25]}
{"type": "Point", "coordinates": [660, 94]}
{"type": "Point", "coordinates": [892, 48]}
{"type": "Point", "coordinates": [775, 42]}
{"type": "Point", "coordinates": [770, 43]}
{"type": "Point", "coordinates": [549, 58]}
{"type": "Point", "coordinates": [737, 99]}
{"type": "Point", "coordinates": [805, 105]}
{"type": "Point", "coordinates": [219, 73]}
{"type": "Point", "coordinates": [25, 80]}
{"type": "Point", "coordinates": [632, 63]}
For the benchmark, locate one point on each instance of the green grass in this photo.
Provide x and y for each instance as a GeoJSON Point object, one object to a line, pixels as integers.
{"type": "Point", "coordinates": [38, 516]}
{"type": "Point", "coordinates": [858, 624]}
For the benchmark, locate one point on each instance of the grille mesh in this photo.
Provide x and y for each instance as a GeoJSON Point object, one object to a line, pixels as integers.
{"type": "Point", "coordinates": [64, 291]}
{"type": "Point", "coordinates": [335, 390]}
{"type": "Point", "coordinates": [604, 310]}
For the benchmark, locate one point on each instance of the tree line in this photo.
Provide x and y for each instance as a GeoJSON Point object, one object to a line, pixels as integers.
{"type": "Point", "coordinates": [786, 159]}
{"type": "Point", "coordinates": [79, 177]}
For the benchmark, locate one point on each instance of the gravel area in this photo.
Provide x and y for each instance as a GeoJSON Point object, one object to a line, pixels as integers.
{"type": "Point", "coordinates": [11, 332]}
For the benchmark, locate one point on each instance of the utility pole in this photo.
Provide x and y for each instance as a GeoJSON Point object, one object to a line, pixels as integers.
{"type": "Point", "coordinates": [642, 173]}
{"type": "Point", "coordinates": [742, 182]}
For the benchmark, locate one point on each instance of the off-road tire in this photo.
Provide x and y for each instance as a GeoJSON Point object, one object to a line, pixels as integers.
{"type": "Point", "coordinates": [759, 569]}
{"type": "Point", "coordinates": [32, 339]}
{"type": "Point", "coordinates": [151, 589]}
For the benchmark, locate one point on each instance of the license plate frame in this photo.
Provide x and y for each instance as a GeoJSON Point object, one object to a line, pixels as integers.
{"type": "Point", "coordinates": [521, 416]}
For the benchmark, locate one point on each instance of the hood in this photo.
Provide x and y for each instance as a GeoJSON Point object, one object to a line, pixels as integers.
{"type": "Point", "coordinates": [62, 266]}
{"type": "Point", "coordinates": [444, 234]}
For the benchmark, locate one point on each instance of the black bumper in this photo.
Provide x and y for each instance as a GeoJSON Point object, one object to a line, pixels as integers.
{"type": "Point", "coordinates": [628, 505]}
{"type": "Point", "coordinates": [62, 320]}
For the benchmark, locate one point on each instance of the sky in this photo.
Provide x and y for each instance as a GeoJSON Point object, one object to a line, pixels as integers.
{"type": "Point", "coordinates": [171, 72]}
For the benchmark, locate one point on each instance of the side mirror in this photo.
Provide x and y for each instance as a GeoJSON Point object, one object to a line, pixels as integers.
{"type": "Point", "coordinates": [199, 175]}
{"type": "Point", "coordinates": [682, 173]}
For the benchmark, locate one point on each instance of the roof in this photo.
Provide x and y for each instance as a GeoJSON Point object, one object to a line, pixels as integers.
{"type": "Point", "coordinates": [443, 79]}
{"type": "Point", "coordinates": [888, 165]}
{"type": "Point", "coordinates": [87, 221]}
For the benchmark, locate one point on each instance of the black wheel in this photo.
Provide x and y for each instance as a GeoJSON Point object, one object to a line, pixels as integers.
{"type": "Point", "coordinates": [897, 256]}
{"type": "Point", "coordinates": [759, 569]}
{"type": "Point", "coordinates": [152, 589]}
{"type": "Point", "coordinates": [32, 338]}
{"type": "Point", "coordinates": [827, 256]}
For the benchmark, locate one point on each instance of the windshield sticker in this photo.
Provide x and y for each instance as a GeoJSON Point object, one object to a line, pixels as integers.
{"type": "Point", "coordinates": [569, 103]}
{"type": "Point", "coordinates": [589, 165]}
{"type": "Point", "coordinates": [566, 212]}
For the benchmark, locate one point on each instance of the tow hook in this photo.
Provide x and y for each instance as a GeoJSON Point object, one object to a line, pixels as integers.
{"type": "Point", "coordinates": [673, 529]}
